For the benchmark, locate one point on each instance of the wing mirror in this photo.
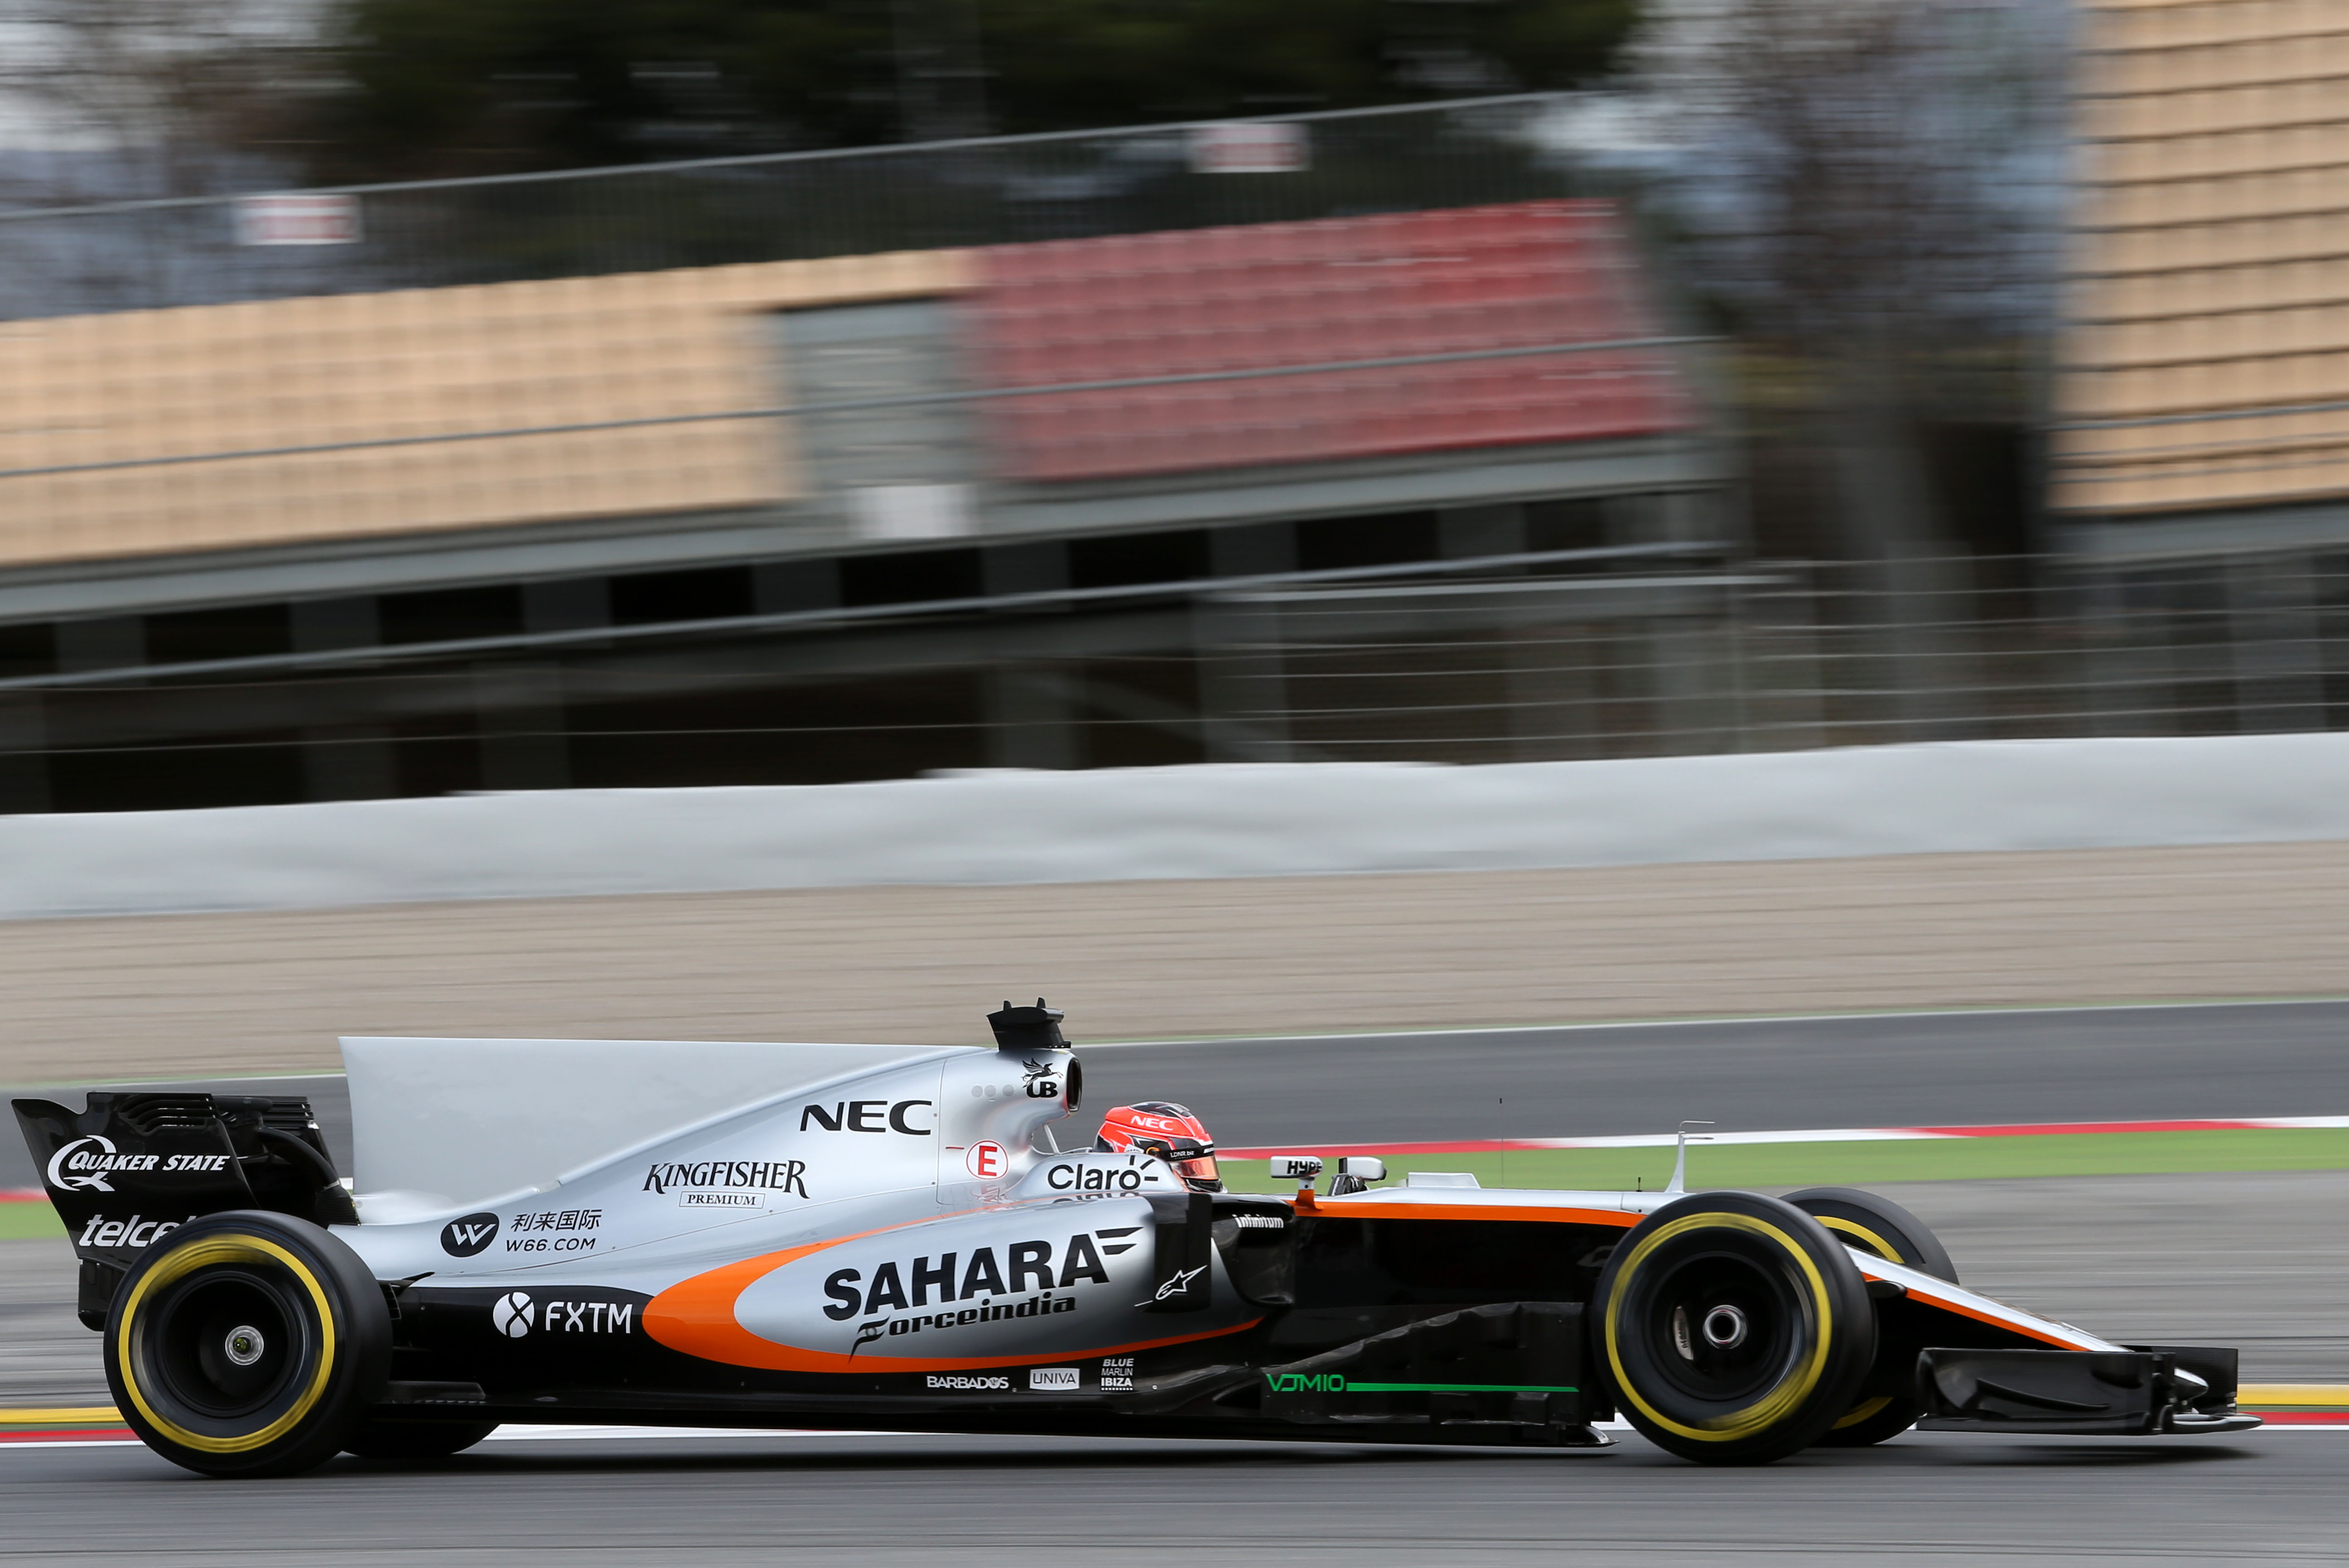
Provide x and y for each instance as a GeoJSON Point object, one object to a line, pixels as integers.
{"type": "Point", "coordinates": [1301, 1168]}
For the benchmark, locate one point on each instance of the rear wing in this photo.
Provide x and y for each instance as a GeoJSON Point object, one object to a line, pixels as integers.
{"type": "Point", "coordinates": [136, 1167]}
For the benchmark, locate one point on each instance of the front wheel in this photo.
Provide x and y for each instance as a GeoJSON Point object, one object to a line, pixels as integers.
{"type": "Point", "coordinates": [1734, 1328]}
{"type": "Point", "coordinates": [1877, 1225]}
{"type": "Point", "coordinates": [247, 1344]}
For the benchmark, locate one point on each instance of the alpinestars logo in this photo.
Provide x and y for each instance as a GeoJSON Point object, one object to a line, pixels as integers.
{"type": "Point", "coordinates": [1174, 1287]}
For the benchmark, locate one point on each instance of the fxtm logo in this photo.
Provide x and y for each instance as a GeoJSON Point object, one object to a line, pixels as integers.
{"type": "Point", "coordinates": [863, 1116]}
{"type": "Point", "coordinates": [514, 1314]}
{"type": "Point", "coordinates": [1306, 1382]}
{"type": "Point", "coordinates": [469, 1235]}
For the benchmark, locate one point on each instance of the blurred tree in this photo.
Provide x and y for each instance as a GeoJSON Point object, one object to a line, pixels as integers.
{"type": "Point", "coordinates": [142, 98]}
{"type": "Point", "coordinates": [455, 86]}
{"type": "Point", "coordinates": [1873, 193]}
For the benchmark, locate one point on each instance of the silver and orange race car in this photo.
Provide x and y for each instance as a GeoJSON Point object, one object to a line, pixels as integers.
{"type": "Point", "coordinates": [889, 1238]}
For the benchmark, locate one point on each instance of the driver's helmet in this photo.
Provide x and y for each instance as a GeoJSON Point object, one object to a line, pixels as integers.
{"type": "Point", "coordinates": [1168, 1130]}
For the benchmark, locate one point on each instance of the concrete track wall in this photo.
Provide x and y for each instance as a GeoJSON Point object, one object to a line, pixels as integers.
{"type": "Point", "coordinates": [95, 998]}
{"type": "Point", "coordinates": [1182, 823]}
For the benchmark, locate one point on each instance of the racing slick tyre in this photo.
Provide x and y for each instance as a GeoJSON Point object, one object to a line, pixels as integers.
{"type": "Point", "coordinates": [375, 1439]}
{"type": "Point", "coordinates": [1880, 1226]}
{"type": "Point", "coordinates": [247, 1344]}
{"type": "Point", "coordinates": [1733, 1328]}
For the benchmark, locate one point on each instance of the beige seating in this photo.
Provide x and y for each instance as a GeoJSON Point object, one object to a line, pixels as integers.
{"type": "Point", "coordinates": [100, 389]}
{"type": "Point", "coordinates": [2207, 351]}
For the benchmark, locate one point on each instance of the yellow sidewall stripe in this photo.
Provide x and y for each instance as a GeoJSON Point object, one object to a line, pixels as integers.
{"type": "Point", "coordinates": [186, 1260]}
{"type": "Point", "coordinates": [1861, 1412]}
{"type": "Point", "coordinates": [1867, 1237]}
{"type": "Point", "coordinates": [1790, 1392]}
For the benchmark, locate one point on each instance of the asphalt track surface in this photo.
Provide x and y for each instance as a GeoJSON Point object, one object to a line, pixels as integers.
{"type": "Point", "coordinates": [1924, 1069]}
{"type": "Point", "coordinates": [2269, 1497]}
{"type": "Point", "coordinates": [2262, 1259]}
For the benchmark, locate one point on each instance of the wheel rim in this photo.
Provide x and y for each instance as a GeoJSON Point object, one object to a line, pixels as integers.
{"type": "Point", "coordinates": [225, 1343]}
{"type": "Point", "coordinates": [1729, 1325]}
{"type": "Point", "coordinates": [175, 1324]}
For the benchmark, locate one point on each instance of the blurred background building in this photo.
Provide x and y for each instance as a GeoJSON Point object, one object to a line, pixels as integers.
{"type": "Point", "coordinates": [1806, 374]}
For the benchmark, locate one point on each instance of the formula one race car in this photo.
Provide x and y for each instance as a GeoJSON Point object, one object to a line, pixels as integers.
{"type": "Point", "coordinates": [860, 1237]}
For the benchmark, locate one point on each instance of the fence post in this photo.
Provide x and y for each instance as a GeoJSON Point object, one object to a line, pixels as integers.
{"type": "Point", "coordinates": [1243, 695]}
{"type": "Point", "coordinates": [23, 755]}
{"type": "Point", "coordinates": [2271, 629]}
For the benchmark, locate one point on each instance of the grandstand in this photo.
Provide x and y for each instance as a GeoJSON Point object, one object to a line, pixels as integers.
{"type": "Point", "coordinates": [1027, 505]}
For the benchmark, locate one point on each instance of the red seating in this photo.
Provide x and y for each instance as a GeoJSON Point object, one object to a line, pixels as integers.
{"type": "Point", "coordinates": [1265, 296]}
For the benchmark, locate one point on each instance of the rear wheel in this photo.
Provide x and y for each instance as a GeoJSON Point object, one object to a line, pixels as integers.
{"type": "Point", "coordinates": [1733, 1327]}
{"type": "Point", "coordinates": [1882, 1227]}
{"type": "Point", "coordinates": [247, 1344]}
{"type": "Point", "coordinates": [377, 1439]}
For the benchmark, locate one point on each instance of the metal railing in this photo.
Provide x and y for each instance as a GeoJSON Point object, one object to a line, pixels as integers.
{"type": "Point", "coordinates": [1547, 655]}
{"type": "Point", "coordinates": [171, 250]}
{"type": "Point", "coordinates": [1791, 655]}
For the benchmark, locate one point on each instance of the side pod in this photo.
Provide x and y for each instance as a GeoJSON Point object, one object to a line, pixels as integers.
{"type": "Point", "coordinates": [2126, 1393]}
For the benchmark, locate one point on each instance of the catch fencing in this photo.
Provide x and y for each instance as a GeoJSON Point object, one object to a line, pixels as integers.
{"type": "Point", "coordinates": [1787, 655]}
{"type": "Point", "coordinates": [75, 258]}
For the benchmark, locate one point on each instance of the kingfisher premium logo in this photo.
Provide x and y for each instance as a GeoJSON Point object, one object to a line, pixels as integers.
{"type": "Point", "coordinates": [706, 1179]}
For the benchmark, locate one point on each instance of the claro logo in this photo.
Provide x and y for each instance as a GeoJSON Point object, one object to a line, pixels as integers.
{"type": "Point", "coordinates": [1099, 1179]}
{"type": "Point", "coordinates": [865, 1117]}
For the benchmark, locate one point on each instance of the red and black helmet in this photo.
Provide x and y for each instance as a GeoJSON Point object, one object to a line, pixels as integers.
{"type": "Point", "coordinates": [1169, 1131]}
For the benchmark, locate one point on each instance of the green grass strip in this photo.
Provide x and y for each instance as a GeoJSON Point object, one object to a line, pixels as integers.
{"type": "Point", "coordinates": [21, 1222]}
{"type": "Point", "coordinates": [1781, 1165]}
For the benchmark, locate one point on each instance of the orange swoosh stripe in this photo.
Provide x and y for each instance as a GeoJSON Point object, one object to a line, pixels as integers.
{"type": "Point", "coordinates": [696, 1317]}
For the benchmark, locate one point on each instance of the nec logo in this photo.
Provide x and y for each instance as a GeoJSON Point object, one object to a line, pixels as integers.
{"type": "Point", "coordinates": [865, 1116]}
{"type": "Point", "coordinates": [469, 1235]}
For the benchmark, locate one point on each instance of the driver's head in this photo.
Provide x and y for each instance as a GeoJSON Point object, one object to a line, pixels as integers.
{"type": "Point", "coordinates": [1169, 1131]}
